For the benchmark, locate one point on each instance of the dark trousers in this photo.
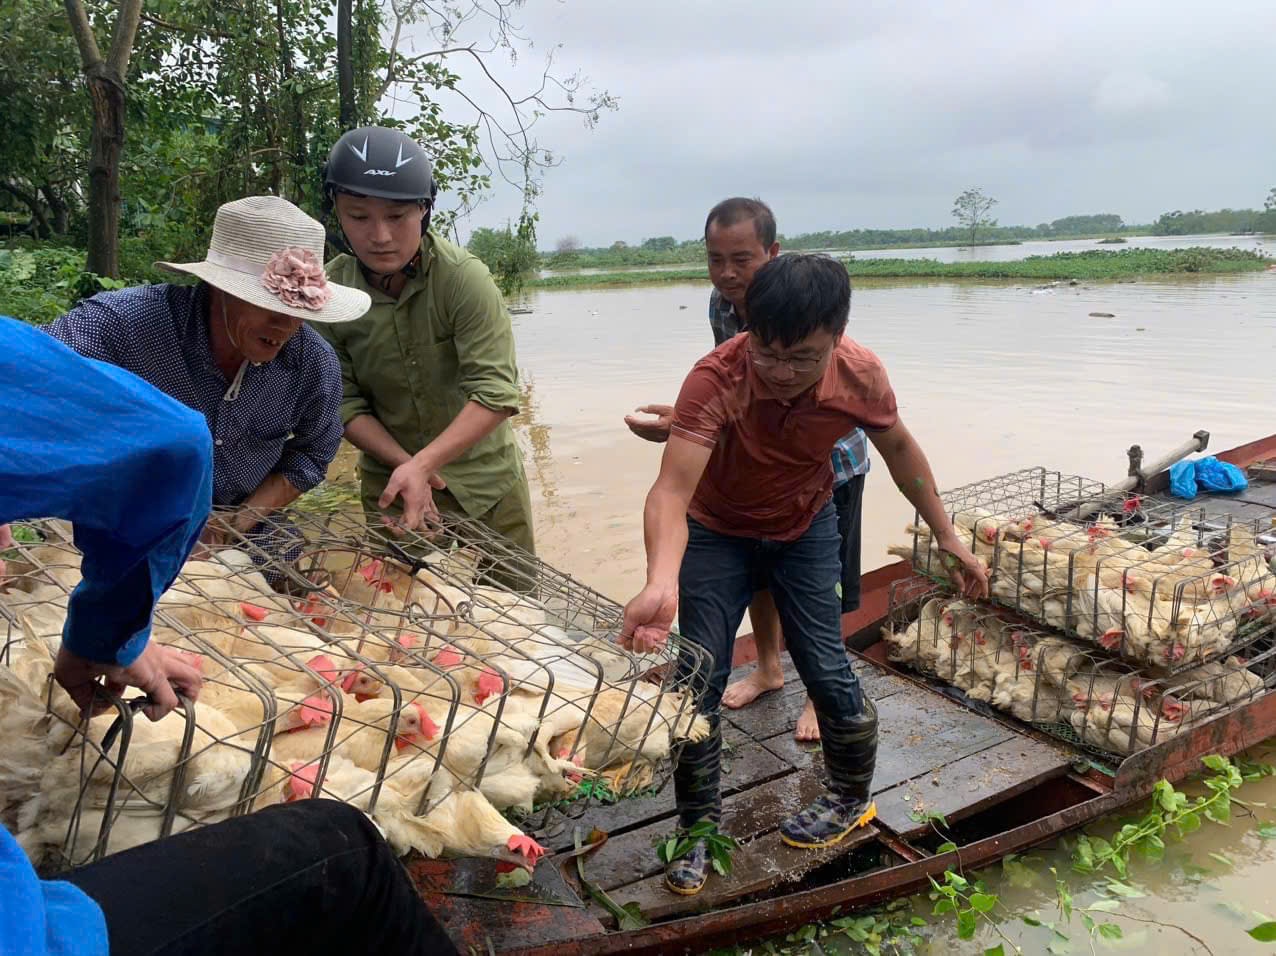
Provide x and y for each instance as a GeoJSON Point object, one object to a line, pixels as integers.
{"type": "Point", "coordinates": [848, 499]}
{"type": "Point", "coordinates": [715, 585]}
{"type": "Point", "coordinates": [307, 878]}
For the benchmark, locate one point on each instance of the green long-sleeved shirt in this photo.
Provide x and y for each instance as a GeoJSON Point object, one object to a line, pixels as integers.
{"type": "Point", "coordinates": [414, 362]}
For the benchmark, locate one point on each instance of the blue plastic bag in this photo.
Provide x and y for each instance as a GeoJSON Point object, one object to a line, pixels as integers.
{"type": "Point", "coordinates": [1187, 478]}
{"type": "Point", "coordinates": [1215, 475]}
{"type": "Point", "coordinates": [1183, 479]}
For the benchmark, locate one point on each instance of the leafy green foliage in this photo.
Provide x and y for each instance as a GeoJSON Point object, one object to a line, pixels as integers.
{"type": "Point", "coordinates": [719, 845]}
{"type": "Point", "coordinates": [509, 254]}
{"type": "Point", "coordinates": [39, 283]}
{"type": "Point", "coordinates": [971, 209]}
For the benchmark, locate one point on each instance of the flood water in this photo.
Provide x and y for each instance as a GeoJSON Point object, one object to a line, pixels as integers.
{"type": "Point", "coordinates": [990, 378]}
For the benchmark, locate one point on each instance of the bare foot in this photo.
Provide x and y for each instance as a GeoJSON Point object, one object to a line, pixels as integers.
{"type": "Point", "coordinates": [808, 728]}
{"type": "Point", "coordinates": [746, 691]}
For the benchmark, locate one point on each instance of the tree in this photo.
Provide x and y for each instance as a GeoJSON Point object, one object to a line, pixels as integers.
{"type": "Point", "coordinates": [566, 246]}
{"type": "Point", "coordinates": [660, 243]}
{"type": "Point", "coordinates": [1270, 202]}
{"type": "Point", "coordinates": [506, 146]}
{"type": "Point", "coordinates": [971, 209]}
{"type": "Point", "coordinates": [105, 79]}
{"type": "Point", "coordinates": [509, 253]}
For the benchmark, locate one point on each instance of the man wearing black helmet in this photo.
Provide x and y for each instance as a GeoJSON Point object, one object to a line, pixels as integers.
{"type": "Point", "coordinates": [430, 378]}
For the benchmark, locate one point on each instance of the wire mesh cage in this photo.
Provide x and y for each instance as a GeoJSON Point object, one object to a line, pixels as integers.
{"type": "Point", "coordinates": [444, 684]}
{"type": "Point", "coordinates": [1152, 581]}
{"type": "Point", "coordinates": [1067, 688]}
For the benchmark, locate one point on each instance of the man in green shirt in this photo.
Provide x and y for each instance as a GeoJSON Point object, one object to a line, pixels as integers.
{"type": "Point", "coordinates": [430, 378]}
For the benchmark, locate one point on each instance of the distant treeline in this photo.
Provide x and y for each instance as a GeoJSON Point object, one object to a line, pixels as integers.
{"type": "Point", "coordinates": [1091, 265]}
{"type": "Point", "coordinates": [666, 250]}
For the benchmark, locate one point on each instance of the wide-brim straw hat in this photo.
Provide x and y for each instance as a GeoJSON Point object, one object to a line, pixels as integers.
{"type": "Point", "coordinates": [247, 234]}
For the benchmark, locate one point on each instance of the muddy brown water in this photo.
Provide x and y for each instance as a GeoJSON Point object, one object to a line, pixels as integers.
{"type": "Point", "coordinates": [990, 378]}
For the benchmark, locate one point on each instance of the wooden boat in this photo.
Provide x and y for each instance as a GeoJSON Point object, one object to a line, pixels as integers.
{"type": "Point", "coordinates": [1002, 786]}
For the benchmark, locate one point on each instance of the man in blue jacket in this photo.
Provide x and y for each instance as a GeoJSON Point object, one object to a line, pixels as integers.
{"type": "Point", "coordinates": [131, 469]}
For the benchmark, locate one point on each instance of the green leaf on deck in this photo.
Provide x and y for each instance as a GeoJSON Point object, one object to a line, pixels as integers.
{"type": "Point", "coordinates": [965, 924]}
{"type": "Point", "coordinates": [995, 951]}
{"type": "Point", "coordinates": [1221, 859]}
{"type": "Point", "coordinates": [1110, 931]}
{"type": "Point", "coordinates": [1104, 906]}
{"type": "Point", "coordinates": [633, 918]}
{"type": "Point", "coordinates": [1264, 932]}
{"type": "Point", "coordinates": [945, 848]}
{"type": "Point", "coordinates": [1267, 831]}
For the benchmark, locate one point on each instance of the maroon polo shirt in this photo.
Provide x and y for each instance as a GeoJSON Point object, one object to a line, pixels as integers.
{"type": "Point", "coordinates": [769, 474]}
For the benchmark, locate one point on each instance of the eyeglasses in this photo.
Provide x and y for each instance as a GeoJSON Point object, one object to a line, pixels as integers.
{"type": "Point", "coordinates": [795, 365]}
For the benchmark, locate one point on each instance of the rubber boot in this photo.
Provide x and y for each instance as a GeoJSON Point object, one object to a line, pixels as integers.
{"type": "Point", "coordinates": [697, 783]}
{"type": "Point", "coordinates": [850, 752]}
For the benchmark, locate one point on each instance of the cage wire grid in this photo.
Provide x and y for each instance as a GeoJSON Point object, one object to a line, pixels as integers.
{"type": "Point", "coordinates": [445, 661]}
{"type": "Point", "coordinates": [998, 662]}
{"type": "Point", "coordinates": [1151, 581]}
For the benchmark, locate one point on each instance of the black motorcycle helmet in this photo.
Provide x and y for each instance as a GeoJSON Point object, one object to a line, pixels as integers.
{"type": "Point", "coordinates": [383, 163]}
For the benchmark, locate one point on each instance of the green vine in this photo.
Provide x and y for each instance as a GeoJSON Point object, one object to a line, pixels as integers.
{"type": "Point", "coordinates": [1170, 814]}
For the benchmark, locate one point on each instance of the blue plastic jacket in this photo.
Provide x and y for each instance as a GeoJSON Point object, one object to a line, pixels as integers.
{"type": "Point", "coordinates": [131, 469]}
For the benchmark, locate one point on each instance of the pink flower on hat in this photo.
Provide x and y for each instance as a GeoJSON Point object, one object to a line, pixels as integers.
{"type": "Point", "coordinates": [296, 276]}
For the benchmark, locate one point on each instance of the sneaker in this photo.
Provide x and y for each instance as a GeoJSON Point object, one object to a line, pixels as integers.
{"type": "Point", "coordinates": [826, 822]}
{"type": "Point", "coordinates": [687, 874]}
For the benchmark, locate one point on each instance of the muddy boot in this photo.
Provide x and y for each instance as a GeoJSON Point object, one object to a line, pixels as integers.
{"type": "Point", "coordinates": [850, 751]}
{"type": "Point", "coordinates": [698, 790]}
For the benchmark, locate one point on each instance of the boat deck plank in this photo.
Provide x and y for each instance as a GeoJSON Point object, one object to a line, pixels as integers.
{"type": "Point", "coordinates": [756, 868]}
{"type": "Point", "coordinates": [631, 857]}
{"type": "Point", "coordinates": [971, 783]}
{"type": "Point", "coordinates": [481, 925]}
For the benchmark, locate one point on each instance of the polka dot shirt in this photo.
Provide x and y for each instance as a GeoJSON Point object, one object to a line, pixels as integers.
{"type": "Point", "coordinates": [286, 418]}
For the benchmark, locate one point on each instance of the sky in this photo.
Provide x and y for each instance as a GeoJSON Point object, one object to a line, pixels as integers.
{"type": "Point", "coordinates": [877, 115]}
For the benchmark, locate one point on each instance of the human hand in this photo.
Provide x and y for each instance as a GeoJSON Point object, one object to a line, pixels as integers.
{"type": "Point", "coordinates": [648, 618]}
{"type": "Point", "coordinates": [160, 672]}
{"type": "Point", "coordinates": [967, 572]}
{"type": "Point", "coordinates": [657, 431]}
{"type": "Point", "coordinates": [415, 485]}
{"type": "Point", "coordinates": [6, 542]}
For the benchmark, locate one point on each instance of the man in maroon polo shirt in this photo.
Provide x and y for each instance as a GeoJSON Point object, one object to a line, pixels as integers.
{"type": "Point", "coordinates": [744, 491]}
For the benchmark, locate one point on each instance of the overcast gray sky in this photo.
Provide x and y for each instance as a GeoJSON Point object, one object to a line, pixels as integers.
{"type": "Point", "coordinates": [852, 114]}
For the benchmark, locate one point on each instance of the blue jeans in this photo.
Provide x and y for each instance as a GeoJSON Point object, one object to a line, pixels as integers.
{"type": "Point", "coordinates": [715, 583]}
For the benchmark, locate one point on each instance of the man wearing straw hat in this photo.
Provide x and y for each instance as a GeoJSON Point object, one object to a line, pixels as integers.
{"type": "Point", "coordinates": [237, 347]}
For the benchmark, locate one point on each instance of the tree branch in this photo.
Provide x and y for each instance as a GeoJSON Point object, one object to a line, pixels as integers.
{"type": "Point", "coordinates": [83, 32]}
{"type": "Point", "coordinates": [123, 36]}
{"type": "Point", "coordinates": [180, 28]}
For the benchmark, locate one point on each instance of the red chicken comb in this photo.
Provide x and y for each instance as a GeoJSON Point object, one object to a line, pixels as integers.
{"type": "Point", "coordinates": [301, 781]}
{"type": "Point", "coordinates": [324, 666]}
{"type": "Point", "coordinates": [253, 612]}
{"type": "Point", "coordinates": [522, 843]}
{"type": "Point", "coordinates": [347, 682]}
{"type": "Point", "coordinates": [429, 729]}
{"type": "Point", "coordinates": [489, 685]}
{"type": "Point", "coordinates": [448, 656]}
{"type": "Point", "coordinates": [315, 710]}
